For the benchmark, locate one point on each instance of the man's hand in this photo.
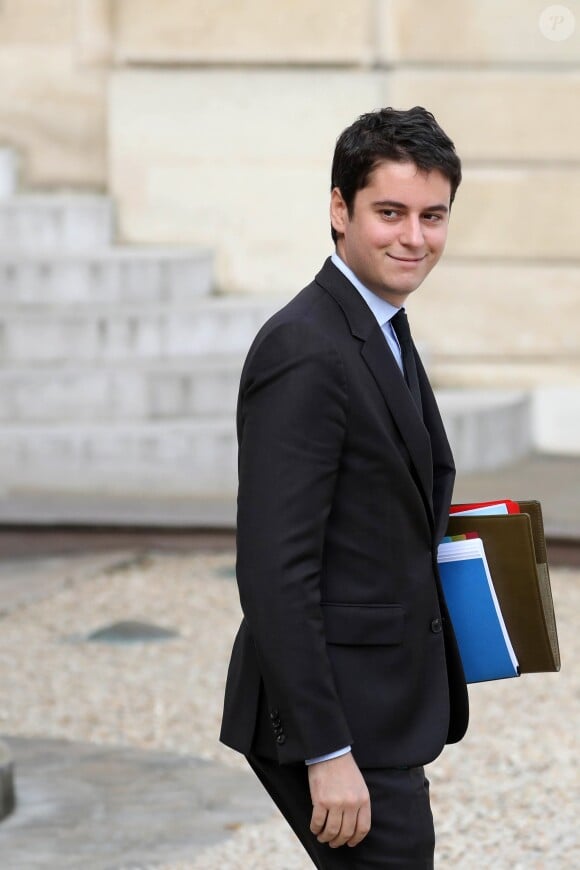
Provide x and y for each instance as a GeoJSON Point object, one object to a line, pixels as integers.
{"type": "Point", "coordinates": [341, 802]}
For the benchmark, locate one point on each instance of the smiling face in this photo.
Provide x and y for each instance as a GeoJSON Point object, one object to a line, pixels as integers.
{"type": "Point", "coordinates": [397, 230]}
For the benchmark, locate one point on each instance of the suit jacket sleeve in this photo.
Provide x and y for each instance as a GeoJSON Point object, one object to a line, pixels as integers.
{"type": "Point", "coordinates": [291, 426]}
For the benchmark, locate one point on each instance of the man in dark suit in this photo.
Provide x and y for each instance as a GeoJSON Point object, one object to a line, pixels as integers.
{"type": "Point", "coordinates": [345, 677]}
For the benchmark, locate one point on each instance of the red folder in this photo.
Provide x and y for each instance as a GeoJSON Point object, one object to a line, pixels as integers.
{"type": "Point", "coordinates": [512, 506]}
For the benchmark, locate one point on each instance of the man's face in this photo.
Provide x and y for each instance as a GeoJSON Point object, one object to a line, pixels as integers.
{"type": "Point", "coordinates": [398, 228]}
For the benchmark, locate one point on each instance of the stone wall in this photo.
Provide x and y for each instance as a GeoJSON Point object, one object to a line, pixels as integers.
{"type": "Point", "coordinates": [245, 32]}
{"type": "Point", "coordinates": [235, 159]}
{"type": "Point", "coordinates": [214, 123]}
{"type": "Point", "coordinates": [54, 58]}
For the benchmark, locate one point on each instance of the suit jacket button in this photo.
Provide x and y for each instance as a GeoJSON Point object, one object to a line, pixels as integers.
{"type": "Point", "coordinates": [280, 739]}
{"type": "Point", "coordinates": [436, 625]}
{"type": "Point", "coordinates": [274, 714]}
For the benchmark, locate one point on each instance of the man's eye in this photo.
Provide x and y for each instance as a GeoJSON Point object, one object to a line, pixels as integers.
{"type": "Point", "coordinates": [389, 212]}
{"type": "Point", "coordinates": [433, 218]}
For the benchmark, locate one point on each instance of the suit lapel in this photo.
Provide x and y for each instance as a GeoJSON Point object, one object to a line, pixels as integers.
{"type": "Point", "coordinates": [384, 369]}
{"type": "Point", "coordinates": [378, 357]}
{"type": "Point", "coordinates": [443, 464]}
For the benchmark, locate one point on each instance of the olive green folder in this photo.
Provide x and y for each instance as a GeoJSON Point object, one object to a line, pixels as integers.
{"type": "Point", "coordinates": [515, 548]}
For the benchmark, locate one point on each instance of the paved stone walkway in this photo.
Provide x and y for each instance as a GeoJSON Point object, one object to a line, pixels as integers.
{"type": "Point", "coordinates": [86, 806]}
{"type": "Point", "coordinates": [89, 806]}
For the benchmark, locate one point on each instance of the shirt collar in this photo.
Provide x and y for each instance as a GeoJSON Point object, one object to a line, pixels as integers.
{"type": "Point", "coordinates": [382, 309]}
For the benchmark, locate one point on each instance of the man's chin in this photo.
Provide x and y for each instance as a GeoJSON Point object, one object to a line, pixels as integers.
{"type": "Point", "coordinates": [407, 283]}
{"type": "Point", "coordinates": [403, 288]}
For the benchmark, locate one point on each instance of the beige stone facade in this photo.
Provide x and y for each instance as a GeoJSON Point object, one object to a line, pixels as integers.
{"type": "Point", "coordinates": [495, 311]}
{"type": "Point", "coordinates": [245, 31]}
{"type": "Point", "coordinates": [517, 115]}
{"type": "Point", "coordinates": [475, 32]}
{"type": "Point", "coordinates": [214, 123]}
{"type": "Point", "coordinates": [227, 161]}
{"type": "Point", "coordinates": [53, 94]}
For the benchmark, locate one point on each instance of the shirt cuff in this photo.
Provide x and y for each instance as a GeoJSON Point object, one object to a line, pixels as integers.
{"type": "Point", "coordinates": [330, 755]}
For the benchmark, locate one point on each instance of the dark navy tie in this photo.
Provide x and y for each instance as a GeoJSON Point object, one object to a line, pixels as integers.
{"type": "Point", "coordinates": [403, 333]}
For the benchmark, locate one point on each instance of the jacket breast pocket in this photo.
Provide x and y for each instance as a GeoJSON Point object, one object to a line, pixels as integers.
{"type": "Point", "coordinates": [363, 624]}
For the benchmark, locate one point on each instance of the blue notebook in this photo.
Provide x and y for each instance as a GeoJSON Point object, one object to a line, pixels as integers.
{"type": "Point", "coordinates": [484, 645]}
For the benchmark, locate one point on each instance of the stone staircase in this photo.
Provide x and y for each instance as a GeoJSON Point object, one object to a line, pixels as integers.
{"type": "Point", "coordinates": [119, 372]}
{"type": "Point", "coordinates": [118, 368]}
{"type": "Point", "coordinates": [487, 429]}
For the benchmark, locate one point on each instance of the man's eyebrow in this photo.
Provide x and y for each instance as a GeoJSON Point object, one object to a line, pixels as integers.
{"type": "Point", "coordinates": [391, 203]}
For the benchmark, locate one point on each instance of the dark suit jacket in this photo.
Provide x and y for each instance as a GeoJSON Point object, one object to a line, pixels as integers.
{"type": "Point", "coordinates": [343, 496]}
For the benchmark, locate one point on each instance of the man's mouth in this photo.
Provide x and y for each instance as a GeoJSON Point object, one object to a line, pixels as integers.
{"type": "Point", "coordinates": [407, 259]}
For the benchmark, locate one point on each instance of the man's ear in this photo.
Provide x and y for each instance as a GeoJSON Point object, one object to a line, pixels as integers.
{"type": "Point", "coordinates": [338, 211]}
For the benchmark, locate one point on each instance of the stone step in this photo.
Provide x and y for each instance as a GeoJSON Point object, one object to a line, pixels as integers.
{"type": "Point", "coordinates": [193, 387]}
{"type": "Point", "coordinates": [56, 222]}
{"type": "Point", "coordinates": [8, 172]}
{"type": "Point", "coordinates": [487, 428]}
{"type": "Point", "coordinates": [112, 276]}
{"type": "Point", "coordinates": [141, 330]}
{"type": "Point", "coordinates": [197, 457]}
{"type": "Point", "coordinates": [181, 457]}
{"type": "Point", "coordinates": [93, 510]}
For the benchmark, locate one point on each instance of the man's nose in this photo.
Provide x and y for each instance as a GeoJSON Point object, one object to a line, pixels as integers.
{"type": "Point", "coordinates": [412, 232]}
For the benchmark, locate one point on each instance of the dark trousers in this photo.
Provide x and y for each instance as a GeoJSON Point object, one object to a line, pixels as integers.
{"type": "Point", "coordinates": [401, 835]}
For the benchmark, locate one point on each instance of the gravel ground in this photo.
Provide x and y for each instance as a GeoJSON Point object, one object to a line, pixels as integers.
{"type": "Point", "coordinates": [505, 798]}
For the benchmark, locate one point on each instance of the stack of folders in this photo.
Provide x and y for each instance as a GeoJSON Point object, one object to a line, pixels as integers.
{"type": "Point", "coordinates": [495, 579]}
{"type": "Point", "coordinates": [484, 644]}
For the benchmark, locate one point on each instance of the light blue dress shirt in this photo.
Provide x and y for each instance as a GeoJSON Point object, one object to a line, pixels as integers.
{"type": "Point", "coordinates": [382, 309]}
{"type": "Point", "coordinates": [383, 312]}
